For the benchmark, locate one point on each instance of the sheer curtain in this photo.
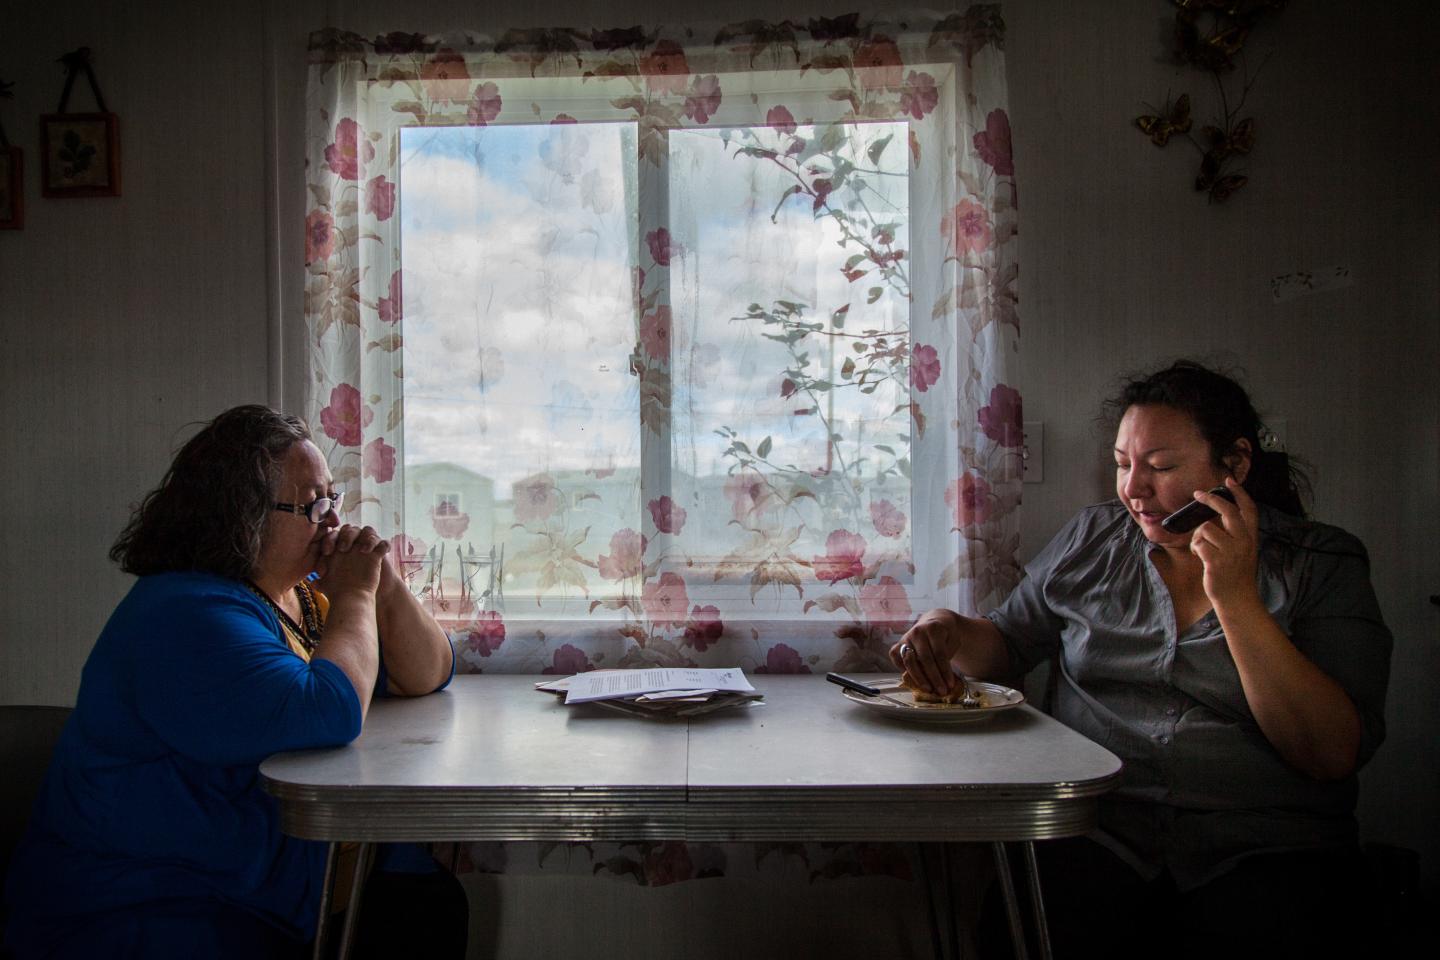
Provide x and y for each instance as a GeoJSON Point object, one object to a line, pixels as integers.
{"type": "Point", "coordinates": [674, 344]}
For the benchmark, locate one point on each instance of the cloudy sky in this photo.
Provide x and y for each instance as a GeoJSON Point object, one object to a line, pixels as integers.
{"type": "Point", "coordinates": [518, 244]}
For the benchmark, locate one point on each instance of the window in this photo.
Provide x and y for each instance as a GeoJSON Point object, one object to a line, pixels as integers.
{"type": "Point", "coordinates": [686, 334]}
{"type": "Point", "coordinates": [786, 340]}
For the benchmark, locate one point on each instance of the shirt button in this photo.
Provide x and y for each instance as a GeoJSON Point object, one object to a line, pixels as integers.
{"type": "Point", "coordinates": [1163, 739]}
{"type": "Point", "coordinates": [1169, 711]}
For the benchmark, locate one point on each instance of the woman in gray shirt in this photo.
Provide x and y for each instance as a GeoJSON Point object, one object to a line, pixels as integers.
{"type": "Point", "coordinates": [1239, 670]}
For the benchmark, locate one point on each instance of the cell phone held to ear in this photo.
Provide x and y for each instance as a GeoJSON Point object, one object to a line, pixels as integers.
{"type": "Point", "coordinates": [1194, 513]}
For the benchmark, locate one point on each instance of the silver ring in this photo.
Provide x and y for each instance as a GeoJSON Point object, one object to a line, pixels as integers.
{"type": "Point", "coordinates": [905, 650]}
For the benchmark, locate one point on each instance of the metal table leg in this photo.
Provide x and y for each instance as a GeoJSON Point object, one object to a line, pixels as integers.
{"type": "Point", "coordinates": [953, 889]}
{"type": "Point", "coordinates": [357, 888]}
{"type": "Point", "coordinates": [1037, 900]}
{"type": "Point", "coordinates": [1012, 907]}
{"type": "Point", "coordinates": [923, 853]}
{"type": "Point", "coordinates": [330, 854]}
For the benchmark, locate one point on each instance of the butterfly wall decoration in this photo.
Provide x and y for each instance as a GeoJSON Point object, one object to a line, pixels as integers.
{"type": "Point", "coordinates": [1175, 119]}
{"type": "Point", "coordinates": [1210, 35]}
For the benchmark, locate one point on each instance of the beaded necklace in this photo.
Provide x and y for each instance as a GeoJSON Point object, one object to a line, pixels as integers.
{"type": "Point", "coordinates": [309, 634]}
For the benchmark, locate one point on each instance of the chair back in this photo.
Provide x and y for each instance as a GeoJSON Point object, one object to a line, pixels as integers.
{"type": "Point", "coordinates": [27, 738]}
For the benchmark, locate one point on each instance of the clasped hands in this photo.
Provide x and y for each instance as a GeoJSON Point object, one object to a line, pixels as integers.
{"type": "Point", "coordinates": [351, 558]}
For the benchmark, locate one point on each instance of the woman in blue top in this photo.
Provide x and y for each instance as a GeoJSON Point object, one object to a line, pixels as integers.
{"type": "Point", "coordinates": [1239, 670]}
{"type": "Point", "coordinates": [152, 835]}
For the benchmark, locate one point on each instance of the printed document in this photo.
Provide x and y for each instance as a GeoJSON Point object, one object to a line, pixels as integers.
{"type": "Point", "coordinates": [622, 684]}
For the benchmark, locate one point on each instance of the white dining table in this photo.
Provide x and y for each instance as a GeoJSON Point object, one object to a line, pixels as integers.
{"type": "Point", "coordinates": [491, 758]}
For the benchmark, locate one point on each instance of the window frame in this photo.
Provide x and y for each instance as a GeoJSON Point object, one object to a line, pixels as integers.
{"type": "Point", "coordinates": [931, 541]}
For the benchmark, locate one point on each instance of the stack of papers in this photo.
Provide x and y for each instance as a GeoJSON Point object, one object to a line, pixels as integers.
{"type": "Point", "coordinates": [659, 693]}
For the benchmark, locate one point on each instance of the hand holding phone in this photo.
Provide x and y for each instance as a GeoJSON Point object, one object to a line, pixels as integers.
{"type": "Point", "coordinates": [1194, 513]}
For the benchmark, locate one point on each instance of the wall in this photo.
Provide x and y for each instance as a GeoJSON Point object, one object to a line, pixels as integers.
{"type": "Point", "coordinates": [1122, 264]}
{"type": "Point", "coordinates": [122, 320]}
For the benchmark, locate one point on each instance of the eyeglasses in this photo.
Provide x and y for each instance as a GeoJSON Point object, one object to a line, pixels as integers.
{"type": "Point", "coordinates": [317, 510]}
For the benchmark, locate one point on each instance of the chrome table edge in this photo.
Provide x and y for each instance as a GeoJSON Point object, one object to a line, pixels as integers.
{"type": "Point", "coordinates": [731, 813]}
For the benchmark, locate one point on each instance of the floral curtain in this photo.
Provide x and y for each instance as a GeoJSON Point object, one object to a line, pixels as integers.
{"type": "Point", "coordinates": [672, 345]}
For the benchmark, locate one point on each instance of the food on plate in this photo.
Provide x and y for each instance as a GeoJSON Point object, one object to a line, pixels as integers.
{"type": "Point", "coordinates": [954, 698]}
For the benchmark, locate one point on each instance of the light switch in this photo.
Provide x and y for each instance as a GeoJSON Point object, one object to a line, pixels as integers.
{"type": "Point", "coordinates": [1032, 449]}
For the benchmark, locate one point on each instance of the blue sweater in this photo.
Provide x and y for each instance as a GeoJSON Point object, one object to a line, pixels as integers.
{"type": "Point", "coordinates": [154, 792]}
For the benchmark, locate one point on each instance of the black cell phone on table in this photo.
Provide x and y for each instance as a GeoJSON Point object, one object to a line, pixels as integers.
{"type": "Point", "coordinates": [1194, 513]}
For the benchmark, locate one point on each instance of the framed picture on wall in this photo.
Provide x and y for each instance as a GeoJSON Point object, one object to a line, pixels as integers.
{"type": "Point", "coordinates": [79, 155]}
{"type": "Point", "coordinates": [12, 182]}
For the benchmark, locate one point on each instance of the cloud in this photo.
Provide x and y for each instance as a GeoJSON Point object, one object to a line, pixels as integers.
{"type": "Point", "coordinates": [517, 266]}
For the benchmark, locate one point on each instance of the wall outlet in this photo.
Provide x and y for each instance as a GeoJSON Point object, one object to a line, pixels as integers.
{"type": "Point", "coordinates": [1272, 434]}
{"type": "Point", "coordinates": [1032, 451]}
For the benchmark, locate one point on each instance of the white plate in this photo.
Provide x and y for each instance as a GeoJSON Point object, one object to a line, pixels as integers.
{"type": "Point", "coordinates": [998, 699]}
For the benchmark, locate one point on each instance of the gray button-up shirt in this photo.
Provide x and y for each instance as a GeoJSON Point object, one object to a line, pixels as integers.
{"type": "Point", "coordinates": [1202, 786]}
